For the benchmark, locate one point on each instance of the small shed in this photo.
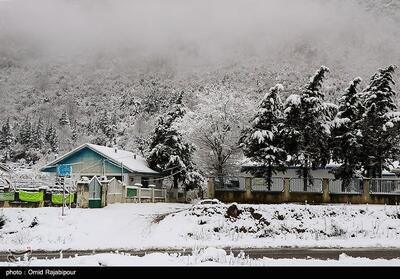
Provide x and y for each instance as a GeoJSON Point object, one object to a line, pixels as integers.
{"type": "Point", "coordinates": [91, 193]}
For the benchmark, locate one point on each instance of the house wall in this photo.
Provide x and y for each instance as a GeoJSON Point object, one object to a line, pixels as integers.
{"type": "Point", "coordinates": [86, 161]}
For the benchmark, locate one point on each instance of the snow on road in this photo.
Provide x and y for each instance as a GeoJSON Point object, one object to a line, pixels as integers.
{"type": "Point", "coordinates": [177, 226]}
{"type": "Point", "coordinates": [203, 257]}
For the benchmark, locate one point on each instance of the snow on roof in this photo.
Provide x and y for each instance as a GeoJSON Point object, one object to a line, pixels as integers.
{"type": "Point", "coordinates": [129, 160]}
{"type": "Point", "coordinates": [396, 165]}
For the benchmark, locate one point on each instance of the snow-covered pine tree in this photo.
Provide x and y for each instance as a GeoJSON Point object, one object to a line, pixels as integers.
{"type": "Point", "coordinates": [262, 141]}
{"type": "Point", "coordinates": [74, 136]}
{"type": "Point", "coordinates": [346, 137]}
{"type": "Point", "coordinates": [52, 139]}
{"type": "Point", "coordinates": [38, 135]}
{"type": "Point", "coordinates": [64, 120]}
{"type": "Point", "coordinates": [48, 132]}
{"type": "Point", "coordinates": [380, 143]}
{"type": "Point", "coordinates": [25, 133]}
{"type": "Point", "coordinates": [7, 139]}
{"type": "Point", "coordinates": [305, 132]}
{"type": "Point", "coordinates": [89, 127]}
{"type": "Point", "coordinates": [106, 127]}
{"type": "Point", "coordinates": [170, 154]}
{"type": "Point", "coordinates": [291, 129]}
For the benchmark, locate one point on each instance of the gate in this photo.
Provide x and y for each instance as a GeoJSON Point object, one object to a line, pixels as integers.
{"type": "Point", "coordinates": [94, 193]}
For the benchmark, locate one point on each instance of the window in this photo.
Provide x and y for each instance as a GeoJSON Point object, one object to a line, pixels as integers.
{"type": "Point", "coordinates": [145, 182]}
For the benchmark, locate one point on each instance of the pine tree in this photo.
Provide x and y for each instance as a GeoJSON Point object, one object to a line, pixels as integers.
{"type": "Point", "coordinates": [64, 120]}
{"type": "Point", "coordinates": [169, 153]}
{"type": "Point", "coordinates": [38, 135]}
{"type": "Point", "coordinates": [26, 133]}
{"type": "Point", "coordinates": [74, 136]}
{"type": "Point", "coordinates": [380, 143]}
{"type": "Point", "coordinates": [106, 127]}
{"type": "Point", "coordinates": [52, 139]}
{"type": "Point", "coordinates": [346, 137]}
{"type": "Point", "coordinates": [89, 127]}
{"type": "Point", "coordinates": [262, 142]}
{"type": "Point", "coordinates": [7, 139]}
{"type": "Point", "coordinates": [305, 132]}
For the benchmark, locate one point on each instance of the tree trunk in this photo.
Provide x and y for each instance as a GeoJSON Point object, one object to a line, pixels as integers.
{"type": "Point", "coordinates": [176, 182]}
{"type": "Point", "coordinates": [268, 177]}
{"type": "Point", "coordinates": [305, 176]}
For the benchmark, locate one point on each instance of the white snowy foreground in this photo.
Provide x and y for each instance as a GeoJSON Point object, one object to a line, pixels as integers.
{"type": "Point", "coordinates": [177, 226]}
{"type": "Point", "coordinates": [204, 257]}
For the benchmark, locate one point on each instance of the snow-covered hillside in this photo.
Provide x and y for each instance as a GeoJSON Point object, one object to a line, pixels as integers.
{"type": "Point", "coordinates": [176, 226]}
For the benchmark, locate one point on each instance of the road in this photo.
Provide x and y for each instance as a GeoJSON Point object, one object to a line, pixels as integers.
{"type": "Point", "coordinates": [276, 253]}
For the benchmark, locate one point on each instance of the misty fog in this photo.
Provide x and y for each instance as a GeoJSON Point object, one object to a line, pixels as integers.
{"type": "Point", "coordinates": [190, 33]}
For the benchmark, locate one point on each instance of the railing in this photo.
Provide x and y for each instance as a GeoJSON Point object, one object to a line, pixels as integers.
{"type": "Point", "coordinates": [314, 185]}
{"type": "Point", "coordinates": [260, 185]}
{"type": "Point", "coordinates": [146, 193]}
{"type": "Point", "coordinates": [229, 183]}
{"type": "Point", "coordinates": [384, 186]}
{"type": "Point", "coordinates": [159, 193]}
{"type": "Point", "coordinates": [336, 186]}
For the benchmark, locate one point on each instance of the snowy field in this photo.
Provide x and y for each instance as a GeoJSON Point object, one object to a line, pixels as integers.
{"type": "Point", "coordinates": [176, 226]}
{"type": "Point", "coordinates": [203, 257]}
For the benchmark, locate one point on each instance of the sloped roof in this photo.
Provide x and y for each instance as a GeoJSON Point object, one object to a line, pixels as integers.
{"type": "Point", "coordinates": [117, 156]}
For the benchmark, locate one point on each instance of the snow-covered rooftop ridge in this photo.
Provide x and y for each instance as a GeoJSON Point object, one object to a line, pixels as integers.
{"type": "Point", "coordinates": [129, 160]}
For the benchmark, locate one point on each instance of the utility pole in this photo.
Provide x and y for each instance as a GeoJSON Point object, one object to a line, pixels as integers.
{"type": "Point", "coordinates": [63, 205]}
{"type": "Point", "coordinates": [69, 193]}
{"type": "Point", "coordinates": [122, 173]}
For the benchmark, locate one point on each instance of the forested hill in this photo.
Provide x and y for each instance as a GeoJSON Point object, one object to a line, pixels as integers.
{"type": "Point", "coordinates": [113, 70]}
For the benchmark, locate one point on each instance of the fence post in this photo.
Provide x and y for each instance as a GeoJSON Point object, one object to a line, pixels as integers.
{"type": "Point", "coordinates": [164, 193]}
{"type": "Point", "coordinates": [211, 188]}
{"type": "Point", "coordinates": [41, 204]}
{"type": "Point", "coordinates": [139, 194]}
{"type": "Point", "coordinates": [247, 188]}
{"type": "Point", "coordinates": [286, 189]}
{"type": "Point", "coordinates": [325, 190]}
{"type": "Point", "coordinates": [153, 200]}
{"type": "Point", "coordinates": [366, 196]}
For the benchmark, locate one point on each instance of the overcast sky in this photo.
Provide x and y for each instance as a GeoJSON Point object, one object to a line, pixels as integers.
{"type": "Point", "coordinates": [200, 30]}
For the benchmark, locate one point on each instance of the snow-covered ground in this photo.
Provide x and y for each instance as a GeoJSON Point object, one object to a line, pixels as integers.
{"type": "Point", "coordinates": [176, 226]}
{"type": "Point", "coordinates": [203, 257]}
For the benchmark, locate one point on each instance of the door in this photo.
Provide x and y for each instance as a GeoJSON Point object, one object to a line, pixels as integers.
{"type": "Point", "coordinates": [94, 194]}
